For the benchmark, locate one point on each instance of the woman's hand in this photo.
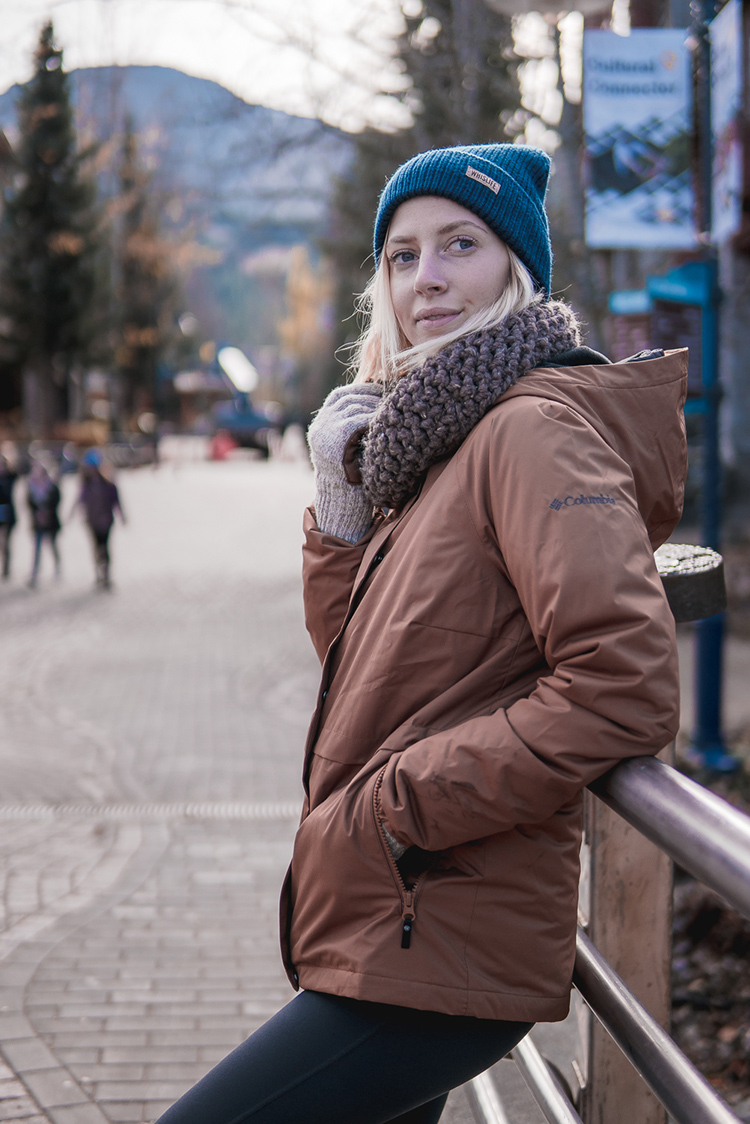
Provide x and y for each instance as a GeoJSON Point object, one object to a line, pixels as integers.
{"type": "Point", "coordinates": [341, 506]}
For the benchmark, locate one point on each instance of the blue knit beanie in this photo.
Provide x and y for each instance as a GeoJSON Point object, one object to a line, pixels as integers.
{"type": "Point", "coordinates": [504, 184]}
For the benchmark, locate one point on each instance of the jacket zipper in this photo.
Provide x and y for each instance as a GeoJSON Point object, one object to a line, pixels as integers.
{"type": "Point", "coordinates": [325, 681]}
{"type": "Point", "coordinates": [408, 895]}
{"type": "Point", "coordinates": [356, 597]}
{"type": "Point", "coordinates": [408, 917]}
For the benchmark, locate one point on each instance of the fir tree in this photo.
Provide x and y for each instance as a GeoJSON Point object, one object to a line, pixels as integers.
{"type": "Point", "coordinates": [145, 284]}
{"type": "Point", "coordinates": [458, 55]}
{"type": "Point", "coordinates": [51, 246]}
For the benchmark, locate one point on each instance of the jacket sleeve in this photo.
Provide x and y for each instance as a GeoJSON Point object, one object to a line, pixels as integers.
{"type": "Point", "coordinates": [329, 569]}
{"type": "Point", "coordinates": [587, 581]}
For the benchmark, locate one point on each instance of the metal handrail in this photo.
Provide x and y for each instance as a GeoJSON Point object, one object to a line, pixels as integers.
{"type": "Point", "coordinates": [484, 1094]}
{"type": "Point", "coordinates": [699, 830]}
{"type": "Point", "coordinates": [685, 1094]}
{"type": "Point", "coordinates": [709, 838]}
{"type": "Point", "coordinates": [548, 1093]}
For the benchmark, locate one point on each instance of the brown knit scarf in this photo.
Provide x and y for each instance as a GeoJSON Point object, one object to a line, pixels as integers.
{"type": "Point", "coordinates": [430, 411]}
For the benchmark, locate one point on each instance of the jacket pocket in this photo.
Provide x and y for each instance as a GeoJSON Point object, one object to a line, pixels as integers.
{"type": "Point", "coordinates": [347, 896]}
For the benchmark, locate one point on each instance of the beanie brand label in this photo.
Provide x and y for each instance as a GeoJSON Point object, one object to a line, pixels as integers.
{"type": "Point", "coordinates": [480, 177]}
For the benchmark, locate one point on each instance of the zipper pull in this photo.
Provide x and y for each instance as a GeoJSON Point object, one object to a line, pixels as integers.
{"type": "Point", "coordinates": [407, 914]}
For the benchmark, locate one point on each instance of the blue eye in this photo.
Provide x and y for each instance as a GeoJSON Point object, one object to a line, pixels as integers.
{"type": "Point", "coordinates": [465, 243]}
{"type": "Point", "coordinates": [403, 257]}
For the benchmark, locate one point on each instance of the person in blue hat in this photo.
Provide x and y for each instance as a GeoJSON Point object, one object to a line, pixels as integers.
{"type": "Point", "coordinates": [99, 499]}
{"type": "Point", "coordinates": [480, 587]}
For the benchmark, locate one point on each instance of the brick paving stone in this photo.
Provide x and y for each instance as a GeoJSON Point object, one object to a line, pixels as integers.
{"type": "Point", "coordinates": [21, 1108]}
{"type": "Point", "coordinates": [149, 1055]}
{"type": "Point", "coordinates": [14, 1026]}
{"type": "Point", "coordinates": [74, 1039]}
{"type": "Point", "coordinates": [83, 1055]}
{"type": "Point", "coordinates": [53, 1088]}
{"type": "Point", "coordinates": [77, 1114]}
{"type": "Point", "coordinates": [28, 1053]}
{"type": "Point", "coordinates": [131, 1112]}
{"type": "Point", "coordinates": [150, 1090]}
{"type": "Point", "coordinates": [10, 1088]}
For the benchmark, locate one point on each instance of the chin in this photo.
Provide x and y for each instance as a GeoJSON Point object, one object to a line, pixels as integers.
{"type": "Point", "coordinates": [430, 334]}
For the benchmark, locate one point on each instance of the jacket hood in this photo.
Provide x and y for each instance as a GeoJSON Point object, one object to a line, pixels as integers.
{"type": "Point", "coordinates": [637, 408]}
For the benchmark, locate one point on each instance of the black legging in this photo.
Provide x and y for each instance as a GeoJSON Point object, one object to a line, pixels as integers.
{"type": "Point", "coordinates": [101, 553]}
{"type": "Point", "coordinates": [327, 1060]}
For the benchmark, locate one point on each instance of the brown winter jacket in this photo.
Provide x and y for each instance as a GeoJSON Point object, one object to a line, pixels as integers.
{"type": "Point", "coordinates": [487, 652]}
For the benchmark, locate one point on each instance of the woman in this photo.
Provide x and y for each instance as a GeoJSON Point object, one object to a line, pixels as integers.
{"type": "Point", "coordinates": [99, 498]}
{"type": "Point", "coordinates": [481, 589]}
{"type": "Point", "coordinates": [44, 500]}
{"type": "Point", "coordinates": [7, 512]}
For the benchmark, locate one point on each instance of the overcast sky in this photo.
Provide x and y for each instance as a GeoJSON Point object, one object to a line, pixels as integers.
{"type": "Point", "coordinates": [323, 58]}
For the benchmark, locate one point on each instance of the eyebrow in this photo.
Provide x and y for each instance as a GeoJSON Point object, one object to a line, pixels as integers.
{"type": "Point", "coordinates": [447, 229]}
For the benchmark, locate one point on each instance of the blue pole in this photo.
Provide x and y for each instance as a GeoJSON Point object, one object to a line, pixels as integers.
{"type": "Point", "coordinates": [708, 746]}
{"type": "Point", "coordinates": [708, 740]}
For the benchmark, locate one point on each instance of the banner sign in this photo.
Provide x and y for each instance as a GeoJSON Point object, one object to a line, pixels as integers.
{"type": "Point", "coordinates": [636, 110]}
{"type": "Point", "coordinates": [726, 99]}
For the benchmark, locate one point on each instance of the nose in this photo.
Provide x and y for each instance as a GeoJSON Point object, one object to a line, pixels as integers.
{"type": "Point", "coordinates": [429, 277]}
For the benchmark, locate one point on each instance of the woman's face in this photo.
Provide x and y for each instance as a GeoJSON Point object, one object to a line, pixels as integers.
{"type": "Point", "coordinates": [444, 265]}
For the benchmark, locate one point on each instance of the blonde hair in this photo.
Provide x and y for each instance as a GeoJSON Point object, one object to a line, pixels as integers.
{"type": "Point", "coordinates": [382, 353]}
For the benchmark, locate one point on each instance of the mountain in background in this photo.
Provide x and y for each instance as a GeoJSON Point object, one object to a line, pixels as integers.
{"type": "Point", "coordinates": [248, 183]}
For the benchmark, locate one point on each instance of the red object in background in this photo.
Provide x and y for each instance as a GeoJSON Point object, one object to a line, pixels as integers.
{"type": "Point", "coordinates": [222, 444]}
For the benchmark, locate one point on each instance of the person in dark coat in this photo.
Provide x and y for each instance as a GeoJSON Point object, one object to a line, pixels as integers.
{"type": "Point", "coordinates": [99, 499]}
{"type": "Point", "coordinates": [44, 500]}
{"type": "Point", "coordinates": [7, 512]}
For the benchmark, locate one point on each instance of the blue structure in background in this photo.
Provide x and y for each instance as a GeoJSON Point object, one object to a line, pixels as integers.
{"type": "Point", "coordinates": [696, 286]}
{"type": "Point", "coordinates": [684, 306]}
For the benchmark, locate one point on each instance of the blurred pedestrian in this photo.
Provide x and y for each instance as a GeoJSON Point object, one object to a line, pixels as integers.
{"type": "Point", "coordinates": [44, 500]}
{"type": "Point", "coordinates": [99, 498]}
{"type": "Point", "coordinates": [7, 511]}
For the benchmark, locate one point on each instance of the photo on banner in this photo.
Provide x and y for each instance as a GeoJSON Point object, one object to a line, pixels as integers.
{"type": "Point", "coordinates": [637, 93]}
{"type": "Point", "coordinates": [726, 102]}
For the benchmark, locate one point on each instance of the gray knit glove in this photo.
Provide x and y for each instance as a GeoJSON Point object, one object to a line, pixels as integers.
{"type": "Point", "coordinates": [341, 507]}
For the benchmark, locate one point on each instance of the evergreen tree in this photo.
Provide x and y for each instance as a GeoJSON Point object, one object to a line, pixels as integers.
{"type": "Point", "coordinates": [51, 246]}
{"type": "Point", "coordinates": [145, 285]}
{"type": "Point", "coordinates": [349, 241]}
{"type": "Point", "coordinates": [458, 55]}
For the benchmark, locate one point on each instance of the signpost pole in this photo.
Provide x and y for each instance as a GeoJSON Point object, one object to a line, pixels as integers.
{"type": "Point", "coordinates": [708, 746]}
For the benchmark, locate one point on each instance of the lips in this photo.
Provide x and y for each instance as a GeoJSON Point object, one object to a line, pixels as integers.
{"type": "Point", "coordinates": [428, 314]}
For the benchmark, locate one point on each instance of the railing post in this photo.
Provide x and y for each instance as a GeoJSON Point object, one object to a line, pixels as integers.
{"type": "Point", "coordinates": [626, 889]}
{"type": "Point", "coordinates": [629, 919]}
